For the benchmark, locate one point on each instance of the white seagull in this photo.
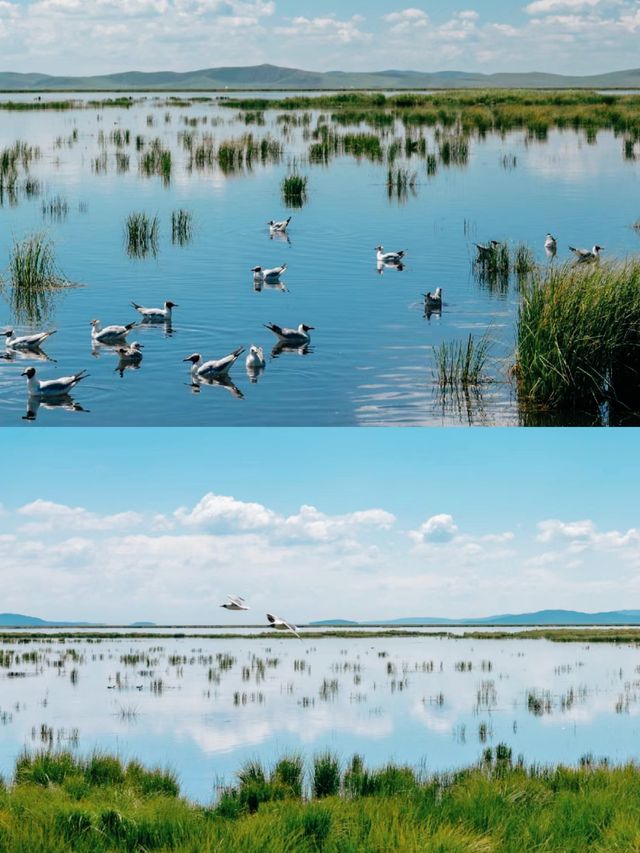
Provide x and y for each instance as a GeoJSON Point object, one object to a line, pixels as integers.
{"type": "Point", "coordinates": [110, 334]}
{"type": "Point", "coordinates": [279, 226]}
{"type": "Point", "coordinates": [26, 341]}
{"type": "Point", "coordinates": [255, 360]}
{"type": "Point", "coordinates": [433, 300]}
{"type": "Point", "coordinates": [133, 352]}
{"type": "Point", "coordinates": [586, 254]}
{"type": "Point", "coordinates": [51, 387]}
{"type": "Point", "coordinates": [390, 258]}
{"type": "Point", "coordinates": [235, 603]}
{"type": "Point", "coordinates": [155, 315]}
{"type": "Point", "coordinates": [266, 275]}
{"type": "Point", "coordinates": [550, 243]}
{"type": "Point", "coordinates": [219, 367]}
{"type": "Point", "coordinates": [282, 625]}
{"type": "Point", "coordinates": [296, 337]}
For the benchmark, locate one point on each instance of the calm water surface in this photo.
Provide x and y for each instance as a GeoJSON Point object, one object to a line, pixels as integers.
{"type": "Point", "coordinates": [206, 706]}
{"type": "Point", "coordinates": [371, 361]}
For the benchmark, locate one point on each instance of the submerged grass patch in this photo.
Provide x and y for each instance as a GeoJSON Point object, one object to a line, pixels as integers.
{"type": "Point", "coordinates": [294, 189]}
{"type": "Point", "coordinates": [181, 227]}
{"type": "Point", "coordinates": [578, 336]}
{"type": "Point", "coordinates": [461, 364]}
{"type": "Point", "coordinates": [101, 805]}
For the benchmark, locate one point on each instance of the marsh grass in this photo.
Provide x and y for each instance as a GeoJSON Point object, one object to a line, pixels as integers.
{"type": "Point", "coordinates": [578, 336]}
{"type": "Point", "coordinates": [100, 805]}
{"type": "Point", "coordinates": [294, 190]}
{"type": "Point", "coordinates": [461, 364]}
{"type": "Point", "coordinates": [141, 235]}
{"type": "Point", "coordinates": [34, 278]}
{"type": "Point", "coordinates": [401, 182]}
{"type": "Point", "coordinates": [157, 160]}
{"type": "Point", "coordinates": [56, 209]}
{"type": "Point", "coordinates": [181, 227]}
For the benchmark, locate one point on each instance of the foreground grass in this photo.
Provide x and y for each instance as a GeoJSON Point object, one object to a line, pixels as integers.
{"type": "Point", "coordinates": [58, 803]}
{"type": "Point", "coordinates": [578, 336]}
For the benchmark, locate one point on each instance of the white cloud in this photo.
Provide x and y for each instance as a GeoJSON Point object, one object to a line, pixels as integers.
{"type": "Point", "coordinates": [406, 20]}
{"type": "Point", "coordinates": [545, 7]}
{"type": "Point", "coordinates": [51, 516]}
{"type": "Point", "coordinates": [325, 29]}
{"type": "Point", "coordinates": [438, 528]}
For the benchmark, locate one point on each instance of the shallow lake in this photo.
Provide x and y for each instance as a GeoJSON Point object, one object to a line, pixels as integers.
{"type": "Point", "coordinates": [205, 706]}
{"type": "Point", "coordinates": [371, 359]}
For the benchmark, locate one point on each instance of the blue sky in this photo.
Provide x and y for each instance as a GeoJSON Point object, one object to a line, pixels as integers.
{"type": "Point", "coordinates": [117, 525]}
{"type": "Point", "coordinates": [79, 37]}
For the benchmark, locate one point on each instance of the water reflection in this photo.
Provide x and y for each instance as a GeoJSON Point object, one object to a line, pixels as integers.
{"type": "Point", "coordinates": [200, 382]}
{"type": "Point", "coordinates": [66, 404]}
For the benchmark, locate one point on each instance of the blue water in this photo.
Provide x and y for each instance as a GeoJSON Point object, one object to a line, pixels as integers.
{"type": "Point", "coordinates": [371, 361]}
{"type": "Point", "coordinates": [401, 699]}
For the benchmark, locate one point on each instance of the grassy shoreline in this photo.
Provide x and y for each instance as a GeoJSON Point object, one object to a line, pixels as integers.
{"type": "Point", "coordinates": [58, 802]}
{"type": "Point", "coordinates": [573, 634]}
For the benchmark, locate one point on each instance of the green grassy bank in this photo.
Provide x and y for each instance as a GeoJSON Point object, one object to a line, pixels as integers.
{"type": "Point", "coordinates": [56, 803]}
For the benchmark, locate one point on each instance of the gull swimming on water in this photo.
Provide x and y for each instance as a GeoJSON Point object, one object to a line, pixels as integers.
{"type": "Point", "coordinates": [295, 337]}
{"type": "Point", "coordinates": [282, 625]}
{"type": "Point", "coordinates": [255, 359]}
{"type": "Point", "coordinates": [110, 334]}
{"type": "Point", "coordinates": [215, 367]}
{"type": "Point", "coordinates": [235, 603]}
{"type": "Point", "coordinates": [586, 254]}
{"type": "Point", "coordinates": [279, 226]}
{"type": "Point", "coordinates": [155, 315]}
{"type": "Point", "coordinates": [33, 342]}
{"type": "Point", "coordinates": [433, 300]}
{"type": "Point", "coordinates": [129, 356]}
{"type": "Point", "coordinates": [551, 244]}
{"type": "Point", "coordinates": [389, 258]}
{"type": "Point", "coordinates": [265, 275]}
{"type": "Point", "coordinates": [52, 387]}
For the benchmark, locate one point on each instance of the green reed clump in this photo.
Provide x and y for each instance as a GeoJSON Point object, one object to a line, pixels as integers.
{"type": "Point", "coordinates": [56, 208]}
{"type": "Point", "coordinates": [461, 364]}
{"type": "Point", "coordinates": [453, 149]}
{"type": "Point", "coordinates": [181, 227]}
{"type": "Point", "coordinates": [523, 260]}
{"type": "Point", "coordinates": [326, 775]}
{"type": "Point", "coordinates": [156, 160]}
{"type": "Point", "coordinates": [400, 182]}
{"type": "Point", "coordinates": [294, 189]}
{"type": "Point", "coordinates": [363, 145]}
{"type": "Point", "coordinates": [578, 336]}
{"type": "Point", "coordinates": [32, 265]}
{"type": "Point", "coordinates": [141, 235]}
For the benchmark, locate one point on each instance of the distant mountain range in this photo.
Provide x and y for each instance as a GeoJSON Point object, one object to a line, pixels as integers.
{"type": "Point", "coordinates": [540, 617]}
{"type": "Point", "coordinates": [274, 77]}
{"type": "Point", "coordinates": [17, 620]}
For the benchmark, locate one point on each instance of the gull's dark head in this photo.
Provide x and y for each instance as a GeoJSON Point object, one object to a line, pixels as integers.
{"type": "Point", "coordinates": [308, 328]}
{"type": "Point", "coordinates": [194, 358]}
{"type": "Point", "coordinates": [169, 304]}
{"type": "Point", "coordinates": [30, 372]}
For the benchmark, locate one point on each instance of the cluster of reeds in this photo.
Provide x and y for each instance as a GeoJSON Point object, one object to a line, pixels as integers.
{"type": "Point", "coordinates": [181, 227]}
{"type": "Point", "coordinates": [56, 208]}
{"type": "Point", "coordinates": [495, 266]}
{"type": "Point", "coordinates": [156, 160]}
{"type": "Point", "coordinates": [141, 235]}
{"type": "Point", "coordinates": [578, 336]}
{"type": "Point", "coordinates": [33, 277]}
{"type": "Point", "coordinates": [461, 364]}
{"type": "Point", "coordinates": [294, 189]}
{"type": "Point", "coordinates": [401, 182]}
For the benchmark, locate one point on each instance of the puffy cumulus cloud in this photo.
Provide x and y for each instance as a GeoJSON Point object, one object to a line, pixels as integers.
{"type": "Point", "coordinates": [226, 514]}
{"type": "Point", "coordinates": [325, 29]}
{"type": "Point", "coordinates": [580, 535]}
{"type": "Point", "coordinates": [406, 20]}
{"type": "Point", "coordinates": [438, 528]}
{"type": "Point", "coordinates": [49, 516]}
{"type": "Point", "coordinates": [546, 7]}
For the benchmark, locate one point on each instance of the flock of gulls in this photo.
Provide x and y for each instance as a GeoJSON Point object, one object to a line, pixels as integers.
{"type": "Point", "coordinates": [217, 370]}
{"type": "Point", "coordinates": [236, 603]}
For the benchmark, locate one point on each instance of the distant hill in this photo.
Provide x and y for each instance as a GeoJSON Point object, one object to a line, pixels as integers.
{"type": "Point", "coordinates": [17, 620]}
{"type": "Point", "coordinates": [540, 617]}
{"type": "Point", "coordinates": [275, 77]}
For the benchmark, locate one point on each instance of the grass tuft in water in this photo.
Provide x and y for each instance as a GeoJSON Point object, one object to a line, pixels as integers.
{"type": "Point", "coordinates": [181, 227]}
{"type": "Point", "coordinates": [461, 364]}
{"type": "Point", "coordinates": [141, 235]}
{"type": "Point", "coordinates": [294, 190]}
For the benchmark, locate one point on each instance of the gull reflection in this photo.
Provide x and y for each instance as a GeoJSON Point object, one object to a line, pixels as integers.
{"type": "Point", "coordinates": [66, 403]}
{"type": "Point", "coordinates": [282, 346]}
{"type": "Point", "coordinates": [381, 266]}
{"type": "Point", "coordinates": [27, 355]}
{"type": "Point", "coordinates": [199, 382]}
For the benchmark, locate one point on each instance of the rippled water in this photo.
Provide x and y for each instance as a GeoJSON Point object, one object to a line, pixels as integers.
{"type": "Point", "coordinates": [205, 706]}
{"type": "Point", "coordinates": [371, 360]}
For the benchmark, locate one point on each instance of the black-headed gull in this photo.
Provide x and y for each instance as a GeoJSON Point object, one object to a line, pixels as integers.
{"type": "Point", "coordinates": [551, 244]}
{"type": "Point", "coordinates": [295, 337]}
{"type": "Point", "coordinates": [587, 254]}
{"type": "Point", "coordinates": [51, 387]}
{"type": "Point", "coordinates": [217, 367]}
{"type": "Point", "coordinates": [129, 357]}
{"type": "Point", "coordinates": [279, 226]}
{"type": "Point", "coordinates": [235, 603]}
{"type": "Point", "coordinates": [389, 258]}
{"type": "Point", "coordinates": [255, 359]}
{"type": "Point", "coordinates": [433, 300]}
{"type": "Point", "coordinates": [155, 315]}
{"type": "Point", "coordinates": [265, 275]}
{"type": "Point", "coordinates": [282, 625]}
{"type": "Point", "coordinates": [486, 249]}
{"type": "Point", "coordinates": [110, 334]}
{"type": "Point", "coordinates": [26, 341]}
